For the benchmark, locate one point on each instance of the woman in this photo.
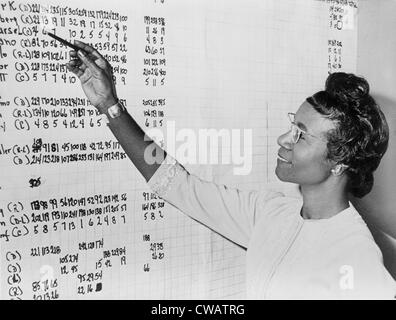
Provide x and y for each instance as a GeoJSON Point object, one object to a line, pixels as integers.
{"type": "Point", "coordinates": [318, 247]}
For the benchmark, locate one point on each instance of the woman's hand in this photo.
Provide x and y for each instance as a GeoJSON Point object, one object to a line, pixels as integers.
{"type": "Point", "coordinates": [95, 74]}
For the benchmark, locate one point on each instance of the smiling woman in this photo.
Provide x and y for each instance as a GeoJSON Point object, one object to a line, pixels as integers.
{"type": "Point", "coordinates": [318, 247]}
{"type": "Point", "coordinates": [304, 150]}
{"type": "Point", "coordinates": [361, 137]}
{"type": "Point", "coordinates": [337, 140]}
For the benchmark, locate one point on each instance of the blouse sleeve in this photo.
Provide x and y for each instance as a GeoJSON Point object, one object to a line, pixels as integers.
{"type": "Point", "coordinates": [228, 211]}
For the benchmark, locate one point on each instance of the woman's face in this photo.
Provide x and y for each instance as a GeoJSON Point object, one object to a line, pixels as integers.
{"type": "Point", "coordinates": [305, 162]}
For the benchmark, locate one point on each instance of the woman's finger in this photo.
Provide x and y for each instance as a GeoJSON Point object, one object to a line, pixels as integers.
{"type": "Point", "coordinates": [75, 57]}
{"type": "Point", "coordinates": [77, 71]}
{"type": "Point", "coordinates": [82, 67]}
{"type": "Point", "coordinates": [92, 66]}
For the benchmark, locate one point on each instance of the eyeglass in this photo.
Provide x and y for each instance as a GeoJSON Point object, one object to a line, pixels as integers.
{"type": "Point", "coordinates": [296, 131]}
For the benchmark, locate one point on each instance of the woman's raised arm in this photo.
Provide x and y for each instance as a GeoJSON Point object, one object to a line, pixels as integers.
{"type": "Point", "coordinates": [95, 74]}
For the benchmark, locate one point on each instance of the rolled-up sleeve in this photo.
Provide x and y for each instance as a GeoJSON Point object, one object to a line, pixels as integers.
{"type": "Point", "coordinates": [228, 211]}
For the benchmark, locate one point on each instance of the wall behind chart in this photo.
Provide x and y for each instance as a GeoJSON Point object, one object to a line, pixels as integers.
{"type": "Point", "coordinates": [77, 220]}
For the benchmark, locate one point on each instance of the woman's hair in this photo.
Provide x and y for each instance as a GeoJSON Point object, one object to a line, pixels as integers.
{"type": "Point", "coordinates": [361, 136]}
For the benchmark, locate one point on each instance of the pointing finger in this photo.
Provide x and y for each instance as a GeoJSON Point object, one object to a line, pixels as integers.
{"type": "Point", "coordinates": [92, 66]}
{"type": "Point", "coordinates": [74, 70]}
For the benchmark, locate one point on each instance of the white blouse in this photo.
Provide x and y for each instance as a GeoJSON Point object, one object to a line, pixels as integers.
{"type": "Point", "coordinates": [287, 257]}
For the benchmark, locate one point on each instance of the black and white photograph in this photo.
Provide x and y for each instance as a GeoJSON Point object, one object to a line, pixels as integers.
{"type": "Point", "coordinates": [214, 152]}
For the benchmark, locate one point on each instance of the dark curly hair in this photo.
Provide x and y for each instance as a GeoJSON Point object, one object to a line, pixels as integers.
{"type": "Point", "coordinates": [361, 136]}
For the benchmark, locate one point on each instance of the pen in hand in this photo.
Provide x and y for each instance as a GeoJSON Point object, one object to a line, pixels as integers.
{"type": "Point", "coordinates": [66, 43]}
{"type": "Point", "coordinates": [75, 58]}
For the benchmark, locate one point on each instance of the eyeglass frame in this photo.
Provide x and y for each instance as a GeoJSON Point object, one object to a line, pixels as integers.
{"type": "Point", "coordinates": [295, 128]}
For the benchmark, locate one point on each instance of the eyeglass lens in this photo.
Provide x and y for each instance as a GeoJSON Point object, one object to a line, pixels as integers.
{"type": "Point", "coordinates": [296, 133]}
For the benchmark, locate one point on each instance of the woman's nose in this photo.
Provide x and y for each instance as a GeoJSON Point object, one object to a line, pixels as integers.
{"type": "Point", "coordinates": [285, 140]}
